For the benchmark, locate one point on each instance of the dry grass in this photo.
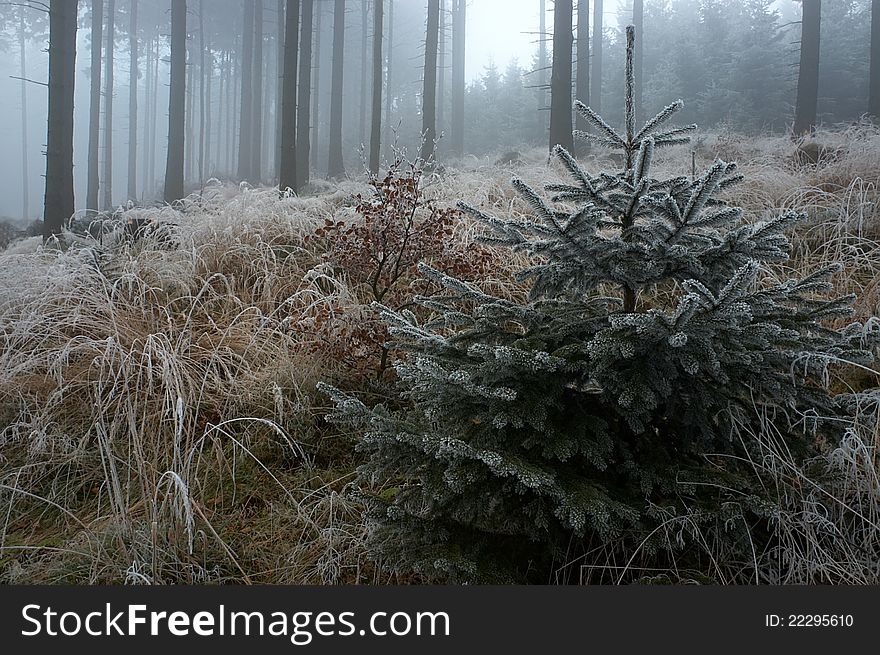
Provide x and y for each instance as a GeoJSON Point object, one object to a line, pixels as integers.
{"type": "Point", "coordinates": [157, 410]}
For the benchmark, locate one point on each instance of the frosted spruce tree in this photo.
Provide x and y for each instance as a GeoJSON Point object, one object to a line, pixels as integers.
{"type": "Point", "coordinates": [530, 434]}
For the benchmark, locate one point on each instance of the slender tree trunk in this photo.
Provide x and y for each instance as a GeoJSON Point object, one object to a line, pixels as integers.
{"type": "Point", "coordinates": [542, 69]}
{"type": "Point", "coordinates": [154, 120]}
{"type": "Point", "coordinates": [808, 74]}
{"type": "Point", "coordinates": [257, 134]}
{"type": "Point", "coordinates": [176, 104]}
{"type": "Point", "coordinates": [429, 92]}
{"type": "Point", "coordinates": [148, 93]}
{"type": "Point", "coordinates": [638, 58]}
{"type": "Point", "coordinates": [441, 71]}
{"type": "Point", "coordinates": [874, 86]}
{"type": "Point", "coordinates": [202, 93]}
{"type": "Point", "coordinates": [582, 84]}
{"type": "Point", "coordinates": [22, 61]}
{"type": "Point", "coordinates": [459, 24]}
{"type": "Point", "coordinates": [560, 83]}
{"type": "Point", "coordinates": [316, 88]}
{"type": "Point", "coordinates": [287, 174]}
{"type": "Point", "coordinates": [336, 162]}
{"type": "Point", "coordinates": [189, 135]}
{"type": "Point", "coordinates": [59, 201]}
{"type": "Point", "coordinates": [376, 118]}
{"type": "Point", "coordinates": [279, 87]}
{"type": "Point", "coordinates": [207, 101]}
{"type": "Point", "coordinates": [132, 101]}
{"type": "Point", "coordinates": [235, 90]}
{"type": "Point", "coordinates": [596, 88]}
{"type": "Point", "coordinates": [389, 96]}
{"type": "Point", "coordinates": [108, 104]}
{"type": "Point", "coordinates": [304, 94]}
{"type": "Point", "coordinates": [95, 104]}
{"type": "Point", "coordinates": [365, 17]}
{"type": "Point", "coordinates": [245, 139]}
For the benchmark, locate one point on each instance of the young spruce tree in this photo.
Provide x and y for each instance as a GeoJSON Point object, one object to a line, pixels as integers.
{"type": "Point", "coordinates": [533, 433]}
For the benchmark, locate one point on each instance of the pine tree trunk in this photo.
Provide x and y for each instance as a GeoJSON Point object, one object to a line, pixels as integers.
{"type": "Point", "coordinates": [154, 120]}
{"type": "Point", "coordinates": [315, 143]}
{"type": "Point", "coordinates": [874, 85]}
{"type": "Point", "coordinates": [257, 134]}
{"type": "Point", "coordinates": [560, 83]}
{"type": "Point", "coordinates": [582, 84]}
{"type": "Point", "coordinates": [335, 161]}
{"type": "Point", "coordinates": [245, 139]}
{"type": "Point", "coordinates": [176, 104]}
{"type": "Point", "coordinates": [279, 86]}
{"type": "Point", "coordinates": [95, 105]}
{"type": "Point", "coordinates": [639, 60]}
{"type": "Point", "coordinates": [202, 79]}
{"type": "Point", "coordinates": [596, 88]}
{"type": "Point", "coordinates": [441, 70]}
{"type": "Point", "coordinates": [235, 108]}
{"type": "Point", "coordinates": [542, 69]}
{"type": "Point", "coordinates": [189, 112]}
{"type": "Point", "coordinates": [304, 94]}
{"type": "Point", "coordinates": [429, 91]}
{"type": "Point", "coordinates": [287, 171]}
{"type": "Point", "coordinates": [376, 117]}
{"type": "Point", "coordinates": [22, 62]}
{"type": "Point", "coordinates": [132, 102]}
{"type": "Point", "coordinates": [108, 105]}
{"type": "Point", "coordinates": [389, 58]}
{"type": "Point", "coordinates": [459, 25]}
{"type": "Point", "coordinates": [365, 17]}
{"type": "Point", "coordinates": [59, 201]}
{"type": "Point", "coordinates": [148, 93]}
{"type": "Point", "coordinates": [808, 73]}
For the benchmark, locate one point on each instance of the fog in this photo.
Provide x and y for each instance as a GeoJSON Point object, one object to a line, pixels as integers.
{"type": "Point", "coordinates": [498, 33]}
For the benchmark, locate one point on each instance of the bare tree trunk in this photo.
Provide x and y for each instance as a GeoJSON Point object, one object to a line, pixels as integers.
{"type": "Point", "coordinates": [459, 24]}
{"type": "Point", "coordinates": [376, 117]}
{"type": "Point", "coordinates": [874, 86]}
{"type": "Point", "coordinates": [189, 135]}
{"type": "Point", "coordinates": [95, 104]}
{"type": "Point", "coordinates": [148, 93]}
{"type": "Point", "coordinates": [389, 58]}
{"type": "Point", "coordinates": [316, 88]}
{"type": "Point", "coordinates": [304, 94]}
{"type": "Point", "coordinates": [154, 120]}
{"type": "Point", "coordinates": [245, 139]}
{"type": "Point", "coordinates": [429, 91]}
{"type": "Point", "coordinates": [202, 78]}
{"type": "Point", "coordinates": [336, 162]}
{"type": "Point", "coordinates": [287, 173]}
{"type": "Point", "coordinates": [542, 69]}
{"type": "Point", "coordinates": [257, 135]}
{"type": "Point", "coordinates": [638, 58]}
{"type": "Point", "coordinates": [596, 88]}
{"type": "Point", "coordinates": [132, 102]}
{"type": "Point", "coordinates": [441, 70]}
{"type": "Point", "coordinates": [808, 75]}
{"type": "Point", "coordinates": [560, 83]}
{"type": "Point", "coordinates": [365, 17]}
{"type": "Point", "coordinates": [582, 83]}
{"type": "Point", "coordinates": [279, 87]}
{"type": "Point", "coordinates": [22, 62]}
{"type": "Point", "coordinates": [59, 201]}
{"type": "Point", "coordinates": [176, 104]}
{"type": "Point", "coordinates": [108, 104]}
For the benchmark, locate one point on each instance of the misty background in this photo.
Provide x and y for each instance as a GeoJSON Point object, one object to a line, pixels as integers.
{"type": "Point", "coordinates": [745, 82]}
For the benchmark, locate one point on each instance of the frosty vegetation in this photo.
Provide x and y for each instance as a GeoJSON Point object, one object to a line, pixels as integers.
{"type": "Point", "coordinates": [649, 359]}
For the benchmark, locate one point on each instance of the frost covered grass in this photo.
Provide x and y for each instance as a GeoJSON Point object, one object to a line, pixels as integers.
{"type": "Point", "coordinates": [158, 415]}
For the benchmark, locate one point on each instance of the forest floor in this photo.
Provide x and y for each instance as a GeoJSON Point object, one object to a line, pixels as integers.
{"type": "Point", "coordinates": [159, 421]}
